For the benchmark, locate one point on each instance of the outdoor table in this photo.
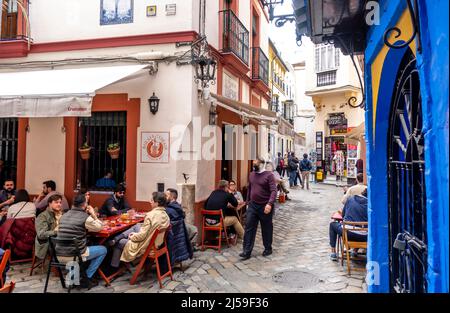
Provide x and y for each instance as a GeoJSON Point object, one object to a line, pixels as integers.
{"type": "Point", "coordinates": [109, 231]}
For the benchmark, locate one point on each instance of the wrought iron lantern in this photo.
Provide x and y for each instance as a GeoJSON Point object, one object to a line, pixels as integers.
{"type": "Point", "coordinates": [212, 115]}
{"type": "Point", "coordinates": [153, 102]}
{"type": "Point", "coordinates": [205, 69]}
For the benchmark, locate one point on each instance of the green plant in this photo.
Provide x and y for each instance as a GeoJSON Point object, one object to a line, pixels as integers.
{"type": "Point", "coordinates": [85, 145]}
{"type": "Point", "coordinates": [113, 146]}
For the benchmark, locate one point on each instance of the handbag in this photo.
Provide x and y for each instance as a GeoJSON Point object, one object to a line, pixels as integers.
{"type": "Point", "coordinates": [282, 197]}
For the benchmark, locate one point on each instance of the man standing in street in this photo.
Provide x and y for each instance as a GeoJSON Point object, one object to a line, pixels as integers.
{"type": "Point", "coordinates": [261, 196]}
{"type": "Point", "coordinates": [305, 168]}
{"type": "Point", "coordinates": [293, 169]}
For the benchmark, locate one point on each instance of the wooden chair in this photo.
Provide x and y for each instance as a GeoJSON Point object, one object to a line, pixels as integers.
{"type": "Point", "coordinates": [5, 259]}
{"type": "Point", "coordinates": [220, 227]}
{"type": "Point", "coordinates": [153, 253]}
{"type": "Point", "coordinates": [36, 262]}
{"type": "Point", "coordinates": [8, 288]}
{"type": "Point", "coordinates": [360, 227]}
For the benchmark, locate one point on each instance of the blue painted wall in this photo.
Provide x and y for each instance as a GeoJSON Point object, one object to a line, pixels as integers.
{"type": "Point", "coordinates": [433, 68]}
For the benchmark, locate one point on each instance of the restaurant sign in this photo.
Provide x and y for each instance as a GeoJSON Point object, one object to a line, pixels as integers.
{"type": "Point", "coordinates": [155, 147]}
{"type": "Point", "coordinates": [337, 120]}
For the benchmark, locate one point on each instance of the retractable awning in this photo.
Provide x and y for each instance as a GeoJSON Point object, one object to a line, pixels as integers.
{"type": "Point", "coordinates": [353, 136]}
{"type": "Point", "coordinates": [52, 93]}
{"type": "Point", "coordinates": [245, 109]}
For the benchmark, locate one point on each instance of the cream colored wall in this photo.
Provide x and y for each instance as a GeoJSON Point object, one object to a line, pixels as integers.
{"type": "Point", "coordinates": [45, 154]}
{"type": "Point", "coordinates": [245, 92]}
{"type": "Point", "coordinates": [80, 19]}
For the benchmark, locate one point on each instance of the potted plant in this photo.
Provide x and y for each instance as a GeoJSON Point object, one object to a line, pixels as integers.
{"type": "Point", "coordinates": [114, 150]}
{"type": "Point", "coordinates": [85, 151]}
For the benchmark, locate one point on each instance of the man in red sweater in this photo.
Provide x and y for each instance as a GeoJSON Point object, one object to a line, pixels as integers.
{"type": "Point", "coordinates": [261, 196]}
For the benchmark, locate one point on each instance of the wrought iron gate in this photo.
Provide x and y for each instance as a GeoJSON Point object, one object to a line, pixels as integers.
{"type": "Point", "coordinates": [407, 197]}
{"type": "Point", "coordinates": [8, 148]}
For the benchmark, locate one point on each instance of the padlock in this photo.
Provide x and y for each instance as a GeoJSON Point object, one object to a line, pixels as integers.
{"type": "Point", "coordinates": [399, 244]}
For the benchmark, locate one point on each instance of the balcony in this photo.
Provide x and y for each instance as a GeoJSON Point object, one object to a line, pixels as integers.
{"type": "Point", "coordinates": [326, 78]}
{"type": "Point", "coordinates": [14, 40]}
{"type": "Point", "coordinates": [235, 36]}
{"type": "Point", "coordinates": [260, 66]}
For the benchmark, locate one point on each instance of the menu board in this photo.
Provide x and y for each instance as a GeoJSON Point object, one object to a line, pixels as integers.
{"type": "Point", "coordinates": [319, 149]}
{"type": "Point", "coordinates": [352, 152]}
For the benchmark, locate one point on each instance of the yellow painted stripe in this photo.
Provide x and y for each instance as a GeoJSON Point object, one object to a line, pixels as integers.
{"type": "Point", "coordinates": [405, 25]}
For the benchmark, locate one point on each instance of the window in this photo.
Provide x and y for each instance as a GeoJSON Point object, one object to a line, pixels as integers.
{"type": "Point", "coordinates": [8, 148]}
{"type": "Point", "coordinates": [326, 58]}
{"type": "Point", "coordinates": [12, 6]}
{"type": "Point", "coordinates": [100, 130]}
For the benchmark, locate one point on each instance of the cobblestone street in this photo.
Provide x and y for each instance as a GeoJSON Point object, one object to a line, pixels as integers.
{"type": "Point", "coordinates": [299, 263]}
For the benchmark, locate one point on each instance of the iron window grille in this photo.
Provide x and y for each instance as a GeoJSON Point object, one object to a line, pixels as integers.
{"type": "Point", "coordinates": [260, 66]}
{"type": "Point", "coordinates": [326, 78]}
{"type": "Point", "coordinates": [8, 148]}
{"type": "Point", "coordinates": [100, 130]}
{"type": "Point", "coordinates": [235, 36]}
{"type": "Point", "coordinates": [406, 183]}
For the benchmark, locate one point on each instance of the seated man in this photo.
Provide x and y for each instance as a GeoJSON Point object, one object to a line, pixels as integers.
{"type": "Point", "coordinates": [219, 200]}
{"type": "Point", "coordinates": [116, 204]}
{"type": "Point", "coordinates": [48, 190]}
{"type": "Point", "coordinates": [106, 182]}
{"type": "Point", "coordinates": [355, 210]}
{"type": "Point", "coordinates": [47, 225]}
{"type": "Point", "coordinates": [132, 243]}
{"type": "Point", "coordinates": [76, 223]}
{"type": "Point", "coordinates": [179, 241]}
{"type": "Point", "coordinates": [7, 194]}
{"type": "Point", "coordinates": [356, 189]}
{"type": "Point", "coordinates": [176, 213]}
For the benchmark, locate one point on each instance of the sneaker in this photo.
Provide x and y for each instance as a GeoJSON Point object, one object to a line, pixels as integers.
{"type": "Point", "coordinates": [333, 257]}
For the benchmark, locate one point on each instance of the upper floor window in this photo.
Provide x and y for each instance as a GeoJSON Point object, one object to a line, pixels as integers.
{"type": "Point", "coordinates": [327, 57]}
{"type": "Point", "coordinates": [12, 6]}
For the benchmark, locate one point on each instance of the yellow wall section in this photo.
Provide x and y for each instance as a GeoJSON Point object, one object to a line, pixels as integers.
{"type": "Point", "coordinates": [406, 27]}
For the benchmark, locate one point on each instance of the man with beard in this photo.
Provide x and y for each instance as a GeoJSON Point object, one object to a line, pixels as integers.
{"type": "Point", "coordinates": [7, 195]}
{"type": "Point", "coordinates": [116, 204]}
{"type": "Point", "coordinates": [261, 196]}
{"type": "Point", "coordinates": [48, 190]}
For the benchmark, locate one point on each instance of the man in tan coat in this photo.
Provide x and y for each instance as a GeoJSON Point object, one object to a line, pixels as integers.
{"type": "Point", "coordinates": [137, 242]}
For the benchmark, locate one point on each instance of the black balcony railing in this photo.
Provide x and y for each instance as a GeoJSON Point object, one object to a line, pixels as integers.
{"type": "Point", "coordinates": [326, 78]}
{"type": "Point", "coordinates": [235, 36]}
{"type": "Point", "coordinates": [260, 65]}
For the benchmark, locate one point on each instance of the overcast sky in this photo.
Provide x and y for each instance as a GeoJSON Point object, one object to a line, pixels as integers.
{"type": "Point", "coordinates": [284, 37]}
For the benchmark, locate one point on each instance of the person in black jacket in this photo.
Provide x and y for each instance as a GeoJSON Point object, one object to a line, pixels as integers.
{"type": "Point", "coordinates": [116, 204]}
{"type": "Point", "coordinates": [179, 242]}
{"type": "Point", "coordinates": [293, 169]}
{"type": "Point", "coordinates": [219, 200]}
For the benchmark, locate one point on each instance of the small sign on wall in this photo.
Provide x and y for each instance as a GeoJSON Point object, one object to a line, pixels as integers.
{"type": "Point", "coordinates": [151, 10]}
{"type": "Point", "coordinates": [155, 147]}
{"type": "Point", "coordinates": [171, 9]}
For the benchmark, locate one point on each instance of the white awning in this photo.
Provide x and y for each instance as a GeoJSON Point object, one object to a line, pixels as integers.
{"type": "Point", "coordinates": [51, 93]}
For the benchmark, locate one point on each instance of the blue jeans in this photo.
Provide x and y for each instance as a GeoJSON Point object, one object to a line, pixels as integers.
{"type": "Point", "coordinates": [292, 178]}
{"type": "Point", "coordinates": [96, 256]}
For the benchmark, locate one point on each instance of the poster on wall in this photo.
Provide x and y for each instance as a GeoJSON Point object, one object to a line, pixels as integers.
{"type": "Point", "coordinates": [230, 87]}
{"type": "Point", "coordinates": [116, 12]}
{"type": "Point", "coordinates": [155, 147]}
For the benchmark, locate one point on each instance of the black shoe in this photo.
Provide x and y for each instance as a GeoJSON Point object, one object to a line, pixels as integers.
{"type": "Point", "coordinates": [267, 252]}
{"type": "Point", "coordinates": [88, 283]}
{"type": "Point", "coordinates": [245, 256]}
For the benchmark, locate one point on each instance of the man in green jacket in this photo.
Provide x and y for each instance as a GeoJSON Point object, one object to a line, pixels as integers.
{"type": "Point", "coordinates": [47, 225]}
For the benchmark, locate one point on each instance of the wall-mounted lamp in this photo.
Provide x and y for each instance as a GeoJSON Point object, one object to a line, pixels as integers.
{"type": "Point", "coordinates": [212, 115]}
{"type": "Point", "coordinates": [153, 102]}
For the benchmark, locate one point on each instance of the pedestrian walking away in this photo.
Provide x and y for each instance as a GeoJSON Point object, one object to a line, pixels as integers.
{"type": "Point", "coordinates": [261, 194]}
{"type": "Point", "coordinates": [305, 168]}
